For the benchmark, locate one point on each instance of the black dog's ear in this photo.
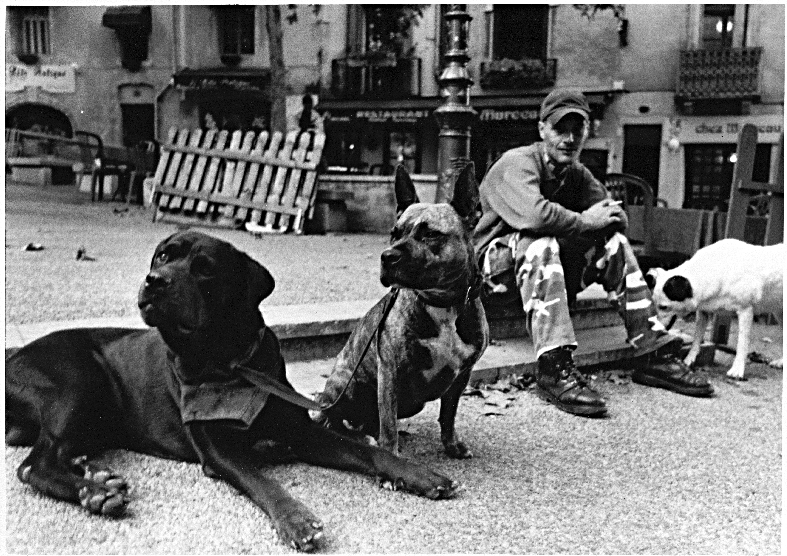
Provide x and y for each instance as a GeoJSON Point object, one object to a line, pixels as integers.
{"type": "Point", "coordinates": [465, 201]}
{"type": "Point", "coordinates": [260, 283]}
{"type": "Point", "coordinates": [404, 189]}
{"type": "Point", "coordinates": [678, 288]}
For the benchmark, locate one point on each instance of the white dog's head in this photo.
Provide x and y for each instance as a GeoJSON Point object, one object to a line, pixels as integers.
{"type": "Point", "coordinates": [672, 292]}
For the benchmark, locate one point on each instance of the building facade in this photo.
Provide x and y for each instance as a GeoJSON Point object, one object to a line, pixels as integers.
{"type": "Point", "coordinates": [670, 85]}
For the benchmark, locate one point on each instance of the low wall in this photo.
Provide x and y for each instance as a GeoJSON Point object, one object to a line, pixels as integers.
{"type": "Point", "coordinates": [371, 204]}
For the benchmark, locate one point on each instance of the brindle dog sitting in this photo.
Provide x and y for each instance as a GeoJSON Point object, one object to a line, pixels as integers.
{"type": "Point", "coordinates": [178, 391]}
{"type": "Point", "coordinates": [435, 329]}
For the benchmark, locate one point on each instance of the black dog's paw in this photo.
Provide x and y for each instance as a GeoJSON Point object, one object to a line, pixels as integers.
{"type": "Point", "coordinates": [102, 499]}
{"type": "Point", "coordinates": [104, 493]}
{"type": "Point", "coordinates": [297, 526]}
{"type": "Point", "coordinates": [458, 450]}
{"type": "Point", "coordinates": [421, 480]}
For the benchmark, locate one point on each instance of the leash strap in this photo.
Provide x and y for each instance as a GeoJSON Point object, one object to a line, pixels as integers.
{"type": "Point", "coordinates": [279, 390]}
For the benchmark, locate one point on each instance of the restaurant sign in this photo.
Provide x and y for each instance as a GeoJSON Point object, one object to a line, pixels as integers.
{"type": "Point", "coordinates": [379, 116]}
{"type": "Point", "coordinates": [52, 79]}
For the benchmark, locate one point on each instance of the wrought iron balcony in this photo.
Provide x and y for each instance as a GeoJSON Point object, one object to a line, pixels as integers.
{"type": "Point", "coordinates": [380, 76]}
{"type": "Point", "coordinates": [518, 74]}
{"type": "Point", "coordinates": [729, 73]}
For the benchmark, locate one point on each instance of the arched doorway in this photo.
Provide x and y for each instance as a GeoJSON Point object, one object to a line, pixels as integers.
{"type": "Point", "coordinates": [39, 118]}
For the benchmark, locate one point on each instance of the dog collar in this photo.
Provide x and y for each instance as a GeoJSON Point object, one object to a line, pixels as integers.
{"type": "Point", "coordinates": [472, 293]}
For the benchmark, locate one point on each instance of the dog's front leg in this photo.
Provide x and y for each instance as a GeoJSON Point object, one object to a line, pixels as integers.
{"type": "Point", "coordinates": [449, 402]}
{"type": "Point", "coordinates": [388, 410]}
{"type": "Point", "coordinates": [745, 320]}
{"type": "Point", "coordinates": [227, 456]}
{"type": "Point", "coordinates": [700, 325]}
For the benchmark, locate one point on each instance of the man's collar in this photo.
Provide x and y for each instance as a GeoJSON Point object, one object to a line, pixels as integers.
{"type": "Point", "coordinates": [553, 171]}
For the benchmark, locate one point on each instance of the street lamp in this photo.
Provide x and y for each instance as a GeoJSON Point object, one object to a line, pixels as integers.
{"type": "Point", "coordinates": [455, 115]}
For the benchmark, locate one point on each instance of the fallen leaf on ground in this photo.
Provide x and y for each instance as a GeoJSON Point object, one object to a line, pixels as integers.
{"type": "Point", "coordinates": [766, 339]}
{"type": "Point", "coordinates": [33, 247]}
{"type": "Point", "coordinates": [756, 357]}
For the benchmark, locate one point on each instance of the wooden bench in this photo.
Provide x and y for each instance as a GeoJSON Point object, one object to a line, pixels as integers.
{"type": "Point", "coordinates": [34, 157]}
{"type": "Point", "coordinates": [264, 182]}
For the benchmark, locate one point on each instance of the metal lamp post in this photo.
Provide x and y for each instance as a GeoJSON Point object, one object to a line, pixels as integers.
{"type": "Point", "coordinates": [455, 115]}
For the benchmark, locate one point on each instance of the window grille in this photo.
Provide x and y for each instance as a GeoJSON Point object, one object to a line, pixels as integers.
{"type": "Point", "coordinates": [35, 32]}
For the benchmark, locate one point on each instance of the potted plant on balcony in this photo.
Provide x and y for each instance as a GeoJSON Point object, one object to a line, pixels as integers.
{"type": "Point", "coordinates": [513, 74]}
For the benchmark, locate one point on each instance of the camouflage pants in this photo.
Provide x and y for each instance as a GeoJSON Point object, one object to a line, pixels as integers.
{"type": "Point", "coordinates": [550, 272]}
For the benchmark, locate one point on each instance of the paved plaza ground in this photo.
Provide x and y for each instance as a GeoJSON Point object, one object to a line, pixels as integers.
{"type": "Point", "coordinates": [663, 474]}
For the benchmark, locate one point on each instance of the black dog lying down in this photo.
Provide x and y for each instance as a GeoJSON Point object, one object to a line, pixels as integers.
{"type": "Point", "coordinates": [174, 391]}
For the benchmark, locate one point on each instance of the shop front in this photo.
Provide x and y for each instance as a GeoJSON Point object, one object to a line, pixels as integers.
{"type": "Point", "coordinates": [708, 145]}
{"type": "Point", "coordinates": [368, 137]}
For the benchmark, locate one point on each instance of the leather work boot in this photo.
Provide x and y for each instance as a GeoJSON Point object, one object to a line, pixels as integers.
{"type": "Point", "coordinates": [560, 383]}
{"type": "Point", "coordinates": [670, 372]}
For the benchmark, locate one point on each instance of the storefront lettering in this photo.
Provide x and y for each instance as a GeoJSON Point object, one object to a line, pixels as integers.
{"type": "Point", "coordinates": [491, 114]}
{"type": "Point", "coordinates": [705, 128]}
{"type": "Point", "coordinates": [53, 79]}
{"type": "Point", "coordinates": [392, 115]}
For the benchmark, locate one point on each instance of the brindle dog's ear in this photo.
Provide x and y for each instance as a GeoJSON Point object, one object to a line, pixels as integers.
{"type": "Point", "coordinates": [404, 189]}
{"type": "Point", "coordinates": [259, 281]}
{"type": "Point", "coordinates": [465, 201]}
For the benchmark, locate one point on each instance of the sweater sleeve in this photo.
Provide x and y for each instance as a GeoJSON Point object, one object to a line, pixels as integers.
{"type": "Point", "coordinates": [513, 191]}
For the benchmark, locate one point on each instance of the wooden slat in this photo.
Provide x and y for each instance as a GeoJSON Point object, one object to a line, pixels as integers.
{"type": "Point", "coordinates": [242, 156]}
{"type": "Point", "coordinates": [186, 167]}
{"type": "Point", "coordinates": [218, 198]}
{"type": "Point", "coordinates": [281, 176]}
{"type": "Point", "coordinates": [172, 171]}
{"type": "Point", "coordinates": [261, 192]}
{"type": "Point", "coordinates": [199, 170]}
{"type": "Point", "coordinates": [213, 169]}
{"type": "Point", "coordinates": [305, 199]}
{"type": "Point", "coordinates": [234, 188]}
{"type": "Point", "coordinates": [246, 192]}
{"type": "Point", "coordinates": [294, 180]}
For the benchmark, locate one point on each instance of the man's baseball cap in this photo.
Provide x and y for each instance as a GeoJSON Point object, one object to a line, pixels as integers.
{"type": "Point", "coordinates": [561, 102]}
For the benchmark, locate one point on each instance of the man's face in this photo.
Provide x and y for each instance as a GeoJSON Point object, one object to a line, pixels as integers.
{"type": "Point", "coordinates": [565, 139]}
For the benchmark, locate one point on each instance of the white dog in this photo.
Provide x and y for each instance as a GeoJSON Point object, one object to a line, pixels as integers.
{"type": "Point", "coordinates": [728, 275]}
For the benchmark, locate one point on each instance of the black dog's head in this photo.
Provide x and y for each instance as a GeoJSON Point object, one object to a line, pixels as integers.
{"type": "Point", "coordinates": [198, 284]}
{"type": "Point", "coordinates": [430, 247]}
{"type": "Point", "coordinates": [672, 291]}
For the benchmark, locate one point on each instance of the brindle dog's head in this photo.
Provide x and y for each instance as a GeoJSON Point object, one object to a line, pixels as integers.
{"type": "Point", "coordinates": [200, 286]}
{"type": "Point", "coordinates": [430, 247]}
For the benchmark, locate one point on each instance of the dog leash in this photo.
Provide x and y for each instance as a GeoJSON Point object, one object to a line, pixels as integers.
{"type": "Point", "coordinates": [268, 384]}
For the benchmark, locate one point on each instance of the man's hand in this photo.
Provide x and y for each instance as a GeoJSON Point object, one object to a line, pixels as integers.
{"type": "Point", "coordinates": [602, 214]}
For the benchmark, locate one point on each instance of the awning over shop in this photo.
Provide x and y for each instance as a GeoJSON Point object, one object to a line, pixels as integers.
{"type": "Point", "coordinates": [489, 108]}
{"type": "Point", "coordinates": [213, 83]}
{"type": "Point", "coordinates": [124, 17]}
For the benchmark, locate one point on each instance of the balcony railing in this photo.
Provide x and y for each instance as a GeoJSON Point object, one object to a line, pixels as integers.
{"type": "Point", "coordinates": [376, 77]}
{"type": "Point", "coordinates": [518, 74]}
{"type": "Point", "coordinates": [729, 73]}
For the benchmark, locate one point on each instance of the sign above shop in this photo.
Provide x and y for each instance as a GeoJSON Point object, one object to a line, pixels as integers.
{"type": "Point", "coordinates": [379, 116]}
{"type": "Point", "coordinates": [52, 79]}
{"type": "Point", "coordinates": [238, 80]}
{"type": "Point", "coordinates": [725, 129]}
{"type": "Point", "coordinates": [505, 115]}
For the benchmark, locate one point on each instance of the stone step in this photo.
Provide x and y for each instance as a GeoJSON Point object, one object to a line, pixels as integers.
{"type": "Point", "coordinates": [501, 359]}
{"type": "Point", "coordinates": [319, 330]}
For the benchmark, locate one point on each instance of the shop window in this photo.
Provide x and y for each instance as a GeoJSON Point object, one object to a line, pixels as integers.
{"type": "Point", "coordinates": [709, 169]}
{"type": "Point", "coordinates": [381, 29]}
{"type": "Point", "coordinates": [519, 32]}
{"type": "Point", "coordinates": [35, 32]}
{"type": "Point", "coordinates": [403, 149]}
{"type": "Point", "coordinates": [236, 29]}
{"type": "Point", "coordinates": [717, 24]}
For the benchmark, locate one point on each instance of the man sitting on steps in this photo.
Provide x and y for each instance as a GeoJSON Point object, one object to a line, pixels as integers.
{"type": "Point", "coordinates": [550, 229]}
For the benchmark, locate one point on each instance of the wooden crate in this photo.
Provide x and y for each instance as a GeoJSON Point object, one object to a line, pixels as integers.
{"type": "Point", "coordinates": [265, 183]}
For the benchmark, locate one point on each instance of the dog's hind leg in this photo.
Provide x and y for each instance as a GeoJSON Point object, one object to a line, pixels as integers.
{"type": "Point", "coordinates": [700, 325]}
{"type": "Point", "coordinates": [745, 320]}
